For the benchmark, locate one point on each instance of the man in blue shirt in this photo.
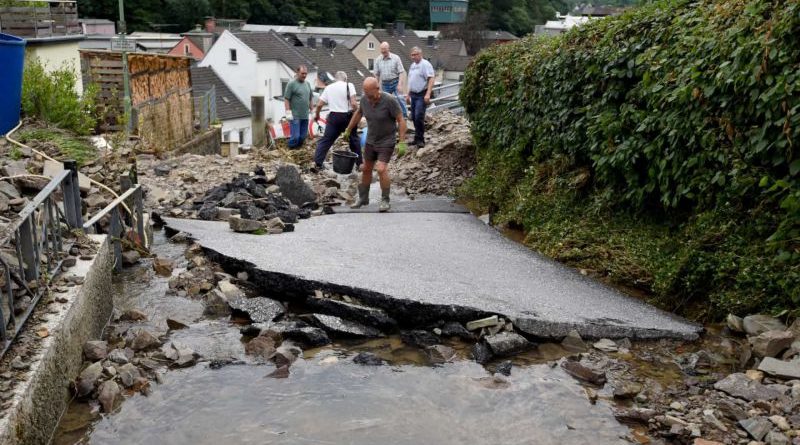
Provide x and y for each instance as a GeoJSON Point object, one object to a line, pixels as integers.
{"type": "Point", "coordinates": [420, 85]}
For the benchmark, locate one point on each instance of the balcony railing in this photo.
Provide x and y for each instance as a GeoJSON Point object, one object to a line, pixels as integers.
{"type": "Point", "coordinates": [37, 19]}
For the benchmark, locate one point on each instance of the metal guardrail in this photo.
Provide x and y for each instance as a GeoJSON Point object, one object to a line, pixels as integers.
{"type": "Point", "coordinates": [127, 218]}
{"type": "Point", "coordinates": [39, 248]}
{"type": "Point", "coordinates": [448, 100]}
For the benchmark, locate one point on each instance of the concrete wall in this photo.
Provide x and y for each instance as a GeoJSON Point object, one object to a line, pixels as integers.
{"type": "Point", "coordinates": [39, 400]}
{"type": "Point", "coordinates": [207, 143]}
{"type": "Point", "coordinates": [362, 51]}
{"type": "Point", "coordinates": [55, 55]}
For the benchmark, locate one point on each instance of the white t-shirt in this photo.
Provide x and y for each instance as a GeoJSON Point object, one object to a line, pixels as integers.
{"type": "Point", "coordinates": [335, 96]}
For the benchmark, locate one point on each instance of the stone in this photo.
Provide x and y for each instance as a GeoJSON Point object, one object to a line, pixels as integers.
{"type": "Point", "coordinates": [163, 266]}
{"type": "Point", "coordinates": [731, 410]}
{"type": "Point", "coordinates": [738, 385]}
{"type": "Point", "coordinates": [758, 324]}
{"type": "Point", "coordinates": [162, 170]}
{"type": "Point", "coordinates": [483, 323]}
{"type": "Point", "coordinates": [419, 338]}
{"type": "Point", "coordinates": [700, 441]}
{"type": "Point", "coordinates": [753, 374]}
{"type": "Point", "coordinates": [4, 203]}
{"type": "Point", "coordinates": [130, 257]}
{"type": "Point", "coordinates": [286, 354]}
{"type": "Point", "coordinates": [481, 353]}
{"type": "Point", "coordinates": [128, 373]}
{"type": "Point", "coordinates": [144, 340]}
{"type": "Point", "coordinates": [778, 368]}
{"type": "Point", "coordinates": [505, 344]}
{"type": "Point", "coordinates": [185, 356]}
{"type": "Point", "coordinates": [258, 309]}
{"type": "Point", "coordinates": [456, 329]}
{"type": "Point", "coordinates": [504, 368]}
{"type": "Point", "coordinates": [241, 225]}
{"type": "Point", "coordinates": [363, 314]}
{"type": "Point", "coordinates": [771, 343]}
{"type": "Point", "coordinates": [119, 356]}
{"type": "Point", "coordinates": [367, 359]}
{"type": "Point", "coordinates": [776, 438]}
{"type": "Point", "coordinates": [175, 325]}
{"type": "Point", "coordinates": [8, 190]}
{"type": "Point", "coordinates": [440, 354]}
{"type": "Point", "coordinates": [756, 427]}
{"type": "Point", "coordinates": [95, 350]}
{"type": "Point", "coordinates": [261, 347]}
{"type": "Point", "coordinates": [573, 342]}
{"type": "Point", "coordinates": [281, 372]}
{"type": "Point", "coordinates": [710, 418]}
{"type": "Point", "coordinates": [231, 291]}
{"type": "Point", "coordinates": [292, 185]}
{"type": "Point", "coordinates": [216, 304]}
{"type": "Point", "coordinates": [780, 422]}
{"type": "Point", "coordinates": [109, 393]}
{"type": "Point", "coordinates": [307, 335]}
{"type": "Point", "coordinates": [584, 373]}
{"type": "Point", "coordinates": [735, 324]}
{"type": "Point", "coordinates": [252, 212]}
{"type": "Point", "coordinates": [275, 226]}
{"type": "Point", "coordinates": [606, 345]}
{"type": "Point", "coordinates": [223, 213]}
{"type": "Point", "coordinates": [345, 328]}
{"type": "Point", "coordinates": [88, 378]}
{"type": "Point", "coordinates": [631, 415]}
{"type": "Point", "coordinates": [627, 390]}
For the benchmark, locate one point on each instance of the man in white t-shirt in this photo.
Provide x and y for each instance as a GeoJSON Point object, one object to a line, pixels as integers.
{"type": "Point", "coordinates": [340, 97]}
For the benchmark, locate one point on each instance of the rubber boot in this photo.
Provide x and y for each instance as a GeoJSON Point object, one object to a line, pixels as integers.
{"type": "Point", "coordinates": [385, 206]}
{"type": "Point", "coordinates": [363, 197]}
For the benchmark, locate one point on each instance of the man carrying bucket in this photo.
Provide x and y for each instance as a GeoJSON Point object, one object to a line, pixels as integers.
{"type": "Point", "coordinates": [340, 97]}
{"type": "Point", "coordinates": [384, 118]}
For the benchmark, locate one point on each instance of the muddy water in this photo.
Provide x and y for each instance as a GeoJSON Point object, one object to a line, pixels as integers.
{"type": "Point", "coordinates": [328, 399]}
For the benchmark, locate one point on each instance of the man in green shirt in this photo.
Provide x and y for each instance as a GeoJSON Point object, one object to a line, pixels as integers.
{"type": "Point", "coordinates": [297, 102]}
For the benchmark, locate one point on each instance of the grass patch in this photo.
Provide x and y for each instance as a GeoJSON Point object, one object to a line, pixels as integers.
{"type": "Point", "coordinates": [68, 146]}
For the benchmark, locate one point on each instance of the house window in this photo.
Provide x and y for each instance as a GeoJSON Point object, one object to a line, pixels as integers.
{"type": "Point", "coordinates": [186, 49]}
{"type": "Point", "coordinates": [226, 136]}
{"type": "Point", "coordinates": [371, 64]}
{"type": "Point", "coordinates": [241, 136]}
{"type": "Point", "coordinates": [460, 77]}
{"type": "Point", "coordinates": [232, 55]}
{"type": "Point", "coordinates": [284, 84]}
{"type": "Point", "coordinates": [371, 45]}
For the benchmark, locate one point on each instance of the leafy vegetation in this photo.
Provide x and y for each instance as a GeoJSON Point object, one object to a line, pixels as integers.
{"type": "Point", "coordinates": [65, 144]}
{"type": "Point", "coordinates": [51, 97]}
{"type": "Point", "coordinates": [657, 148]}
{"type": "Point", "coordinates": [517, 16]}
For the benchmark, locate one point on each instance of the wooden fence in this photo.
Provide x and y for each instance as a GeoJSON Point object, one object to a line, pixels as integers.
{"type": "Point", "coordinates": [161, 95]}
{"type": "Point", "coordinates": [39, 19]}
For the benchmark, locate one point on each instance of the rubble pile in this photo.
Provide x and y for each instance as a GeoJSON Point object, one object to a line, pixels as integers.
{"type": "Point", "coordinates": [446, 161]}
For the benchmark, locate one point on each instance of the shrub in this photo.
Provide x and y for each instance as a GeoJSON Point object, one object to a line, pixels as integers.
{"type": "Point", "coordinates": [682, 114]}
{"type": "Point", "coordinates": [51, 97]}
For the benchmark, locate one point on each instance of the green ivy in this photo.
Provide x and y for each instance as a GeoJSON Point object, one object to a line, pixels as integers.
{"type": "Point", "coordinates": [673, 110]}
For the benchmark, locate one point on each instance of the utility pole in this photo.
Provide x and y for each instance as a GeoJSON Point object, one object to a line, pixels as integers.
{"type": "Point", "coordinates": [125, 79]}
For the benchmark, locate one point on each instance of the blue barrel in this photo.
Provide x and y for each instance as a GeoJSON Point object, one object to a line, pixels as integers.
{"type": "Point", "coordinates": [12, 59]}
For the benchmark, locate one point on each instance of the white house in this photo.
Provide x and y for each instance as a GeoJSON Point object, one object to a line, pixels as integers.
{"type": "Point", "coordinates": [231, 112]}
{"type": "Point", "coordinates": [257, 64]}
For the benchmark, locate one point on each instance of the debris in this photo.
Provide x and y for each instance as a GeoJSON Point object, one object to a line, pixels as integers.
{"type": "Point", "coordinates": [483, 322]}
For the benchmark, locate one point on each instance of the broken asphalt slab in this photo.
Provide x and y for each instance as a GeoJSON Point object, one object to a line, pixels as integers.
{"type": "Point", "coordinates": [420, 267]}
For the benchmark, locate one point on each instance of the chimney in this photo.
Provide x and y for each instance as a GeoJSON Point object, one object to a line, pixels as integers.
{"type": "Point", "coordinates": [312, 42]}
{"type": "Point", "coordinates": [302, 25]}
{"type": "Point", "coordinates": [401, 28]}
{"type": "Point", "coordinates": [197, 28]}
{"type": "Point", "coordinates": [326, 42]}
{"type": "Point", "coordinates": [211, 24]}
{"type": "Point", "coordinates": [369, 27]}
{"type": "Point", "coordinates": [431, 41]}
{"type": "Point", "coordinates": [390, 28]}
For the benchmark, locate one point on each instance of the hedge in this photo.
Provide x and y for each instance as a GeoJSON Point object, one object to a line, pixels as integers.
{"type": "Point", "coordinates": [680, 114]}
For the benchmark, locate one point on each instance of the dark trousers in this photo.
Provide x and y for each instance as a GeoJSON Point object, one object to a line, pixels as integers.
{"type": "Point", "coordinates": [337, 124]}
{"type": "Point", "coordinates": [418, 115]}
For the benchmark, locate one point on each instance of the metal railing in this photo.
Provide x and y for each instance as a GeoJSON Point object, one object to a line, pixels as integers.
{"type": "Point", "coordinates": [446, 98]}
{"type": "Point", "coordinates": [205, 108]}
{"type": "Point", "coordinates": [127, 219]}
{"type": "Point", "coordinates": [39, 247]}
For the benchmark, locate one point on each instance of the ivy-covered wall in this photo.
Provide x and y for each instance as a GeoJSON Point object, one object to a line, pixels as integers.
{"type": "Point", "coordinates": [677, 124]}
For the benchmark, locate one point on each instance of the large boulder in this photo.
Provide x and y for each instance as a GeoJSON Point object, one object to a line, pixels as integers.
{"type": "Point", "coordinates": [241, 225]}
{"type": "Point", "coordinates": [292, 185]}
{"type": "Point", "coordinates": [741, 386]}
{"type": "Point", "coordinates": [771, 343]}
{"type": "Point", "coordinates": [758, 324]}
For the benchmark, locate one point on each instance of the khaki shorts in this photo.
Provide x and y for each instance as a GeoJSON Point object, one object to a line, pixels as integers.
{"type": "Point", "coordinates": [373, 154]}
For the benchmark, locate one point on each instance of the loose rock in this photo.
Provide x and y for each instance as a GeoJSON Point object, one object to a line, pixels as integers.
{"type": "Point", "coordinates": [440, 353]}
{"type": "Point", "coordinates": [108, 394]}
{"type": "Point", "coordinates": [368, 359]}
{"type": "Point", "coordinates": [738, 385]}
{"type": "Point", "coordinates": [505, 344]}
{"type": "Point", "coordinates": [345, 328]}
{"type": "Point", "coordinates": [585, 373]}
{"type": "Point", "coordinates": [95, 350]}
{"type": "Point", "coordinates": [258, 309]}
{"type": "Point", "coordinates": [756, 427]}
{"type": "Point", "coordinates": [758, 324]}
{"type": "Point", "coordinates": [771, 343]}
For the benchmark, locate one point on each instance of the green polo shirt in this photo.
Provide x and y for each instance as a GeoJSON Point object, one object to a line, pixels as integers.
{"type": "Point", "coordinates": [299, 96]}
